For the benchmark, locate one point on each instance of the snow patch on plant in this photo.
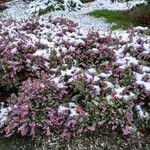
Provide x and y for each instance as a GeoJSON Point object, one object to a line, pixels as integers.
{"type": "Point", "coordinates": [76, 79]}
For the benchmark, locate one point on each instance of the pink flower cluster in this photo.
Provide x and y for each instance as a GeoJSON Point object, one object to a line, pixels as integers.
{"type": "Point", "coordinates": [48, 63]}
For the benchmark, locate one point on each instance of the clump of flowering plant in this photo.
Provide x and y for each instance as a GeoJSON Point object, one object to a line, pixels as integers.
{"type": "Point", "coordinates": [66, 82]}
{"type": "Point", "coordinates": [33, 108]}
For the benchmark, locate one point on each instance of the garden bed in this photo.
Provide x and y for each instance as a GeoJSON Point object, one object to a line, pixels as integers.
{"type": "Point", "coordinates": [70, 83]}
{"type": "Point", "coordinates": [63, 87]}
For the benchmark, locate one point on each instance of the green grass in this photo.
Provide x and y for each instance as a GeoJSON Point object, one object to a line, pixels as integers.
{"type": "Point", "coordinates": [139, 15]}
{"type": "Point", "coordinates": [117, 18]}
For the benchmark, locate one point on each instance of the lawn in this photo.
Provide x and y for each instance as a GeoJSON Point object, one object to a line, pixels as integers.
{"type": "Point", "coordinates": [137, 16]}
{"type": "Point", "coordinates": [117, 18]}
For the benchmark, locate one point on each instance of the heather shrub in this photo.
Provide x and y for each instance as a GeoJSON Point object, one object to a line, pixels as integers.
{"type": "Point", "coordinates": [69, 83]}
{"type": "Point", "coordinates": [33, 108]}
{"type": "Point", "coordinates": [17, 62]}
{"type": "Point", "coordinates": [18, 66]}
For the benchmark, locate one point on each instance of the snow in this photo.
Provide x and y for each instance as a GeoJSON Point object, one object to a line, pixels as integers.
{"type": "Point", "coordinates": [146, 69]}
{"type": "Point", "coordinates": [141, 113]}
{"type": "Point", "coordinates": [96, 79]}
{"type": "Point", "coordinates": [126, 61]}
{"type": "Point", "coordinates": [141, 28]}
{"type": "Point", "coordinates": [19, 9]}
{"type": "Point", "coordinates": [119, 94]}
{"type": "Point", "coordinates": [87, 22]}
{"type": "Point", "coordinates": [104, 75]}
{"type": "Point", "coordinates": [57, 82]}
{"type": "Point", "coordinates": [16, 9]}
{"type": "Point", "coordinates": [109, 84]}
{"type": "Point", "coordinates": [3, 114]}
{"type": "Point", "coordinates": [97, 89]}
{"type": "Point", "coordinates": [89, 76]}
{"type": "Point", "coordinates": [72, 107]}
{"type": "Point", "coordinates": [61, 109]}
{"type": "Point", "coordinates": [43, 53]}
{"type": "Point", "coordinates": [109, 99]}
{"type": "Point", "coordinates": [92, 71]}
{"type": "Point", "coordinates": [70, 72]}
{"type": "Point", "coordinates": [141, 82]}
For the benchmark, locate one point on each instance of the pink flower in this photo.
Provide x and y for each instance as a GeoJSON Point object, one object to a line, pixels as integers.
{"type": "Point", "coordinates": [65, 134]}
{"type": "Point", "coordinates": [127, 130]}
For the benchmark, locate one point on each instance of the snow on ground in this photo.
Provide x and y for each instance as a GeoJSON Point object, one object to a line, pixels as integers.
{"type": "Point", "coordinates": [107, 4]}
{"type": "Point", "coordinates": [19, 9]}
{"type": "Point", "coordinates": [71, 107]}
{"type": "Point", "coordinates": [87, 22]}
{"type": "Point", "coordinates": [16, 9]}
{"type": "Point", "coordinates": [3, 113]}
